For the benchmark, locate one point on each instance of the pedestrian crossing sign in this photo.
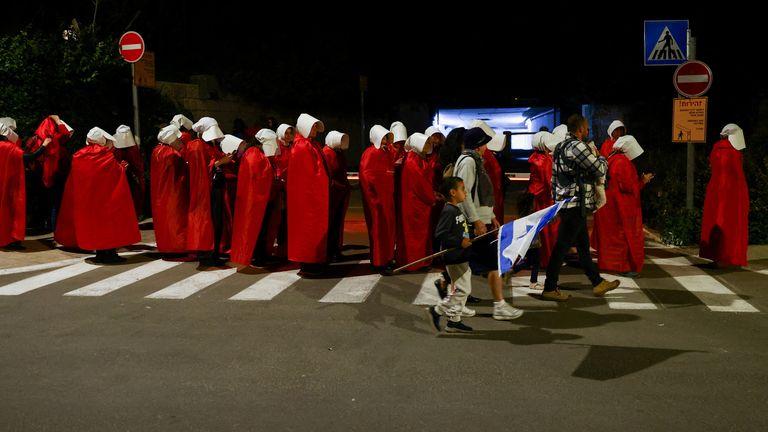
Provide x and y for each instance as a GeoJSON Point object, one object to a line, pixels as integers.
{"type": "Point", "coordinates": [666, 42]}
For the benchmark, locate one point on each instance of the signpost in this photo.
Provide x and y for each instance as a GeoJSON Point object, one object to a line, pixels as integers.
{"type": "Point", "coordinates": [131, 47]}
{"type": "Point", "coordinates": [692, 78]}
{"type": "Point", "coordinates": [689, 120]}
{"type": "Point", "coordinates": [144, 75]}
{"type": "Point", "coordinates": [666, 42]}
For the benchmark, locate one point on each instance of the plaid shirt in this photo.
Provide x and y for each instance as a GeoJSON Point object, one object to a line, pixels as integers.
{"type": "Point", "coordinates": [573, 157]}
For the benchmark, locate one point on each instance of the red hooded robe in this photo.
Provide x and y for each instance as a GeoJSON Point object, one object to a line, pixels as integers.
{"type": "Point", "coordinates": [377, 185]}
{"type": "Point", "coordinates": [308, 201]}
{"type": "Point", "coordinates": [493, 169]}
{"type": "Point", "coordinates": [253, 179]}
{"type": "Point", "coordinates": [414, 236]}
{"type": "Point", "coordinates": [340, 192]}
{"type": "Point", "coordinates": [725, 222]}
{"type": "Point", "coordinates": [618, 233]}
{"type": "Point", "coordinates": [607, 147]}
{"type": "Point", "coordinates": [13, 198]}
{"type": "Point", "coordinates": [54, 163]}
{"type": "Point", "coordinates": [170, 199]}
{"type": "Point", "coordinates": [135, 174]}
{"type": "Point", "coordinates": [97, 209]}
{"type": "Point", "coordinates": [540, 185]}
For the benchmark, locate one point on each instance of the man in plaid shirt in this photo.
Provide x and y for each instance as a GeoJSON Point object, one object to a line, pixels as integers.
{"type": "Point", "coordinates": [576, 168]}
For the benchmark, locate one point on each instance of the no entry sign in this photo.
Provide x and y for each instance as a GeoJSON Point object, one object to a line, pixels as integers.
{"type": "Point", "coordinates": [131, 46]}
{"type": "Point", "coordinates": [692, 78]}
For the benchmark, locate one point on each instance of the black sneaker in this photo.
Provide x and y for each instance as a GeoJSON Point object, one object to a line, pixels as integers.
{"type": "Point", "coordinates": [473, 299]}
{"type": "Point", "coordinates": [442, 290]}
{"type": "Point", "coordinates": [457, 327]}
{"type": "Point", "coordinates": [434, 317]}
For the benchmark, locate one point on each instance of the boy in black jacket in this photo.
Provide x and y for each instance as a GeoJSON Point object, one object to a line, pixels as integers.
{"type": "Point", "coordinates": [452, 232]}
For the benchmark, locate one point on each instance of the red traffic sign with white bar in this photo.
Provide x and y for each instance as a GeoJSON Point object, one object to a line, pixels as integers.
{"type": "Point", "coordinates": [692, 78]}
{"type": "Point", "coordinates": [131, 46]}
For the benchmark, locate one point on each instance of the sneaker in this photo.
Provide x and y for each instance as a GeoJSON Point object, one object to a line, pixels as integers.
{"type": "Point", "coordinates": [434, 317]}
{"type": "Point", "coordinates": [536, 286]}
{"type": "Point", "coordinates": [467, 312]}
{"type": "Point", "coordinates": [506, 312]}
{"type": "Point", "coordinates": [473, 299]}
{"type": "Point", "coordinates": [555, 295]}
{"type": "Point", "coordinates": [457, 327]}
{"type": "Point", "coordinates": [603, 287]}
{"type": "Point", "coordinates": [442, 290]}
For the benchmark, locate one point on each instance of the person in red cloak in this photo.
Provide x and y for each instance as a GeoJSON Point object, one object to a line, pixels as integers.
{"type": "Point", "coordinates": [170, 192]}
{"type": "Point", "coordinates": [540, 186]}
{"type": "Point", "coordinates": [725, 220]}
{"type": "Point", "coordinates": [377, 185]}
{"type": "Point", "coordinates": [13, 198]}
{"type": "Point", "coordinates": [615, 130]}
{"type": "Point", "coordinates": [185, 126]}
{"type": "Point", "coordinates": [253, 179]}
{"type": "Point", "coordinates": [97, 210]}
{"type": "Point", "coordinates": [435, 139]}
{"type": "Point", "coordinates": [414, 236]}
{"type": "Point", "coordinates": [127, 150]}
{"type": "Point", "coordinates": [619, 223]}
{"type": "Point", "coordinates": [308, 199]}
{"type": "Point", "coordinates": [278, 223]}
{"type": "Point", "coordinates": [333, 152]}
{"type": "Point", "coordinates": [207, 207]}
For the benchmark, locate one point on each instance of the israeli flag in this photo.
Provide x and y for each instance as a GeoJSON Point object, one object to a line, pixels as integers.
{"type": "Point", "coordinates": [515, 237]}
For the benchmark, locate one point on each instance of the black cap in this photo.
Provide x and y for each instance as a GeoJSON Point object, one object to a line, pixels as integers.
{"type": "Point", "coordinates": [474, 138]}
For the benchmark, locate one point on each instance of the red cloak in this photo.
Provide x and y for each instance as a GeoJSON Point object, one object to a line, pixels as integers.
{"type": "Point", "coordinates": [377, 185]}
{"type": "Point", "coordinates": [340, 192]}
{"type": "Point", "coordinates": [540, 185]}
{"type": "Point", "coordinates": [618, 231]}
{"type": "Point", "coordinates": [135, 174]}
{"type": "Point", "coordinates": [414, 237]}
{"type": "Point", "coordinates": [308, 201]}
{"type": "Point", "coordinates": [253, 179]}
{"type": "Point", "coordinates": [97, 210]}
{"type": "Point", "coordinates": [186, 137]}
{"type": "Point", "coordinates": [725, 221]}
{"type": "Point", "coordinates": [493, 169]}
{"type": "Point", "coordinates": [13, 196]}
{"type": "Point", "coordinates": [54, 162]}
{"type": "Point", "coordinates": [607, 147]}
{"type": "Point", "coordinates": [170, 199]}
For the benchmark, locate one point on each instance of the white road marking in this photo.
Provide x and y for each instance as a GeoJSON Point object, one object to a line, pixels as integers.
{"type": "Point", "coordinates": [113, 283]}
{"type": "Point", "coordinates": [268, 287]}
{"type": "Point", "coordinates": [197, 282]}
{"type": "Point", "coordinates": [39, 281]}
{"type": "Point", "coordinates": [353, 289]}
{"type": "Point", "coordinates": [427, 295]}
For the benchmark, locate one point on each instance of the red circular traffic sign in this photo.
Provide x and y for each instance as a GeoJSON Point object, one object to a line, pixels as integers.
{"type": "Point", "coordinates": [131, 46]}
{"type": "Point", "coordinates": [692, 78]}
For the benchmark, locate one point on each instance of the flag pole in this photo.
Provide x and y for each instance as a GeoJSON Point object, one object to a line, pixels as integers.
{"type": "Point", "coordinates": [443, 252]}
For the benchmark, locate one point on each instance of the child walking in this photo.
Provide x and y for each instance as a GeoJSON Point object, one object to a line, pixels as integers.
{"type": "Point", "coordinates": [452, 232]}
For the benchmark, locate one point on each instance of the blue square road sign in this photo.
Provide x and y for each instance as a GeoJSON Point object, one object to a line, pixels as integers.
{"type": "Point", "coordinates": [666, 42]}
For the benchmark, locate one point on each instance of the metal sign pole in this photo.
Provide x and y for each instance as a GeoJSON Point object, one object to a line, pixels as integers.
{"type": "Point", "coordinates": [136, 133]}
{"type": "Point", "coordinates": [690, 150]}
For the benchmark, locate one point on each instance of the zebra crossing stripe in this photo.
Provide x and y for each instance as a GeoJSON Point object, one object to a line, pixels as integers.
{"type": "Point", "coordinates": [113, 283]}
{"type": "Point", "coordinates": [628, 296]}
{"type": "Point", "coordinates": [268, 287]}
{"type": "Point", "coordinates": [39, 281]}
{"type": "Point", "coordinates": [520, 288]}
{"type": "Point", "coordinates": [354, 289]}
{"type": "Point", "coordinates": [36, 267]}
{"type": "Point", "coordinates": [427, 295]}
{"type": "Point", "coordinates": [716, 296]}
{"type": "Point", "coordinates": [189, 286]}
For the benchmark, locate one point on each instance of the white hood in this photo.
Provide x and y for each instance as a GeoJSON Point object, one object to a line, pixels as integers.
{"type": "Point", "coordinates": [539, 140]}
{"type": "Point", "coordinates": [377, 134]}
{"type": "Point", "coordinates": [230, 144]}
{"type": "Point", "coordinates": [433, 130]}
{"type": "Point", "coordinates": [169, 134]}
{"type": "Point", "coordinates": [11, 123]}
{"type": "Point", "coordinates": [482, 125]}
{"type": "Point", "coordinates": [615, 125]}
{"type": "Point", "coordinates": [208, 129]}
{"type": "Point", "coordinates": [337, 140]}
{"type": "Point", "coordinates": [399, 132]}
{"type": "Point", "coordinates": [124, 137]}
{"type": "Point", "coordinates": [416, 142]}
{"type": "Point", "coordinates": [735, 136]}
{"type": "Point", "coordinates": [268, 140]}
{"type": "Point", "coordinates": [281, 131]}
{"type": "Point", "coordinates": [628, 145]}
{"type": "Point", "coordinates": [99, 136]}
{"type": "Point", "coordinates": [180, 120]}
{"type": "Point", "coordinates": [305, 122]}
{"type": "Point", "coordinates": [560, 131]}
{"type": "Point", "coordinates": [497, 142]}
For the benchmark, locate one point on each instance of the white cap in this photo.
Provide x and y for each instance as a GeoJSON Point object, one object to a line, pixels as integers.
{"type": "Point", "coordinates": [11, 123]}
{"type": "Point", "coordinates": [541, 139]}
{"type": "Point", "coordinates": [268, 140]}
{"type": "Point", "coordinates": [497, 142]}
{"type": "Point", "coordinates": [735, 136]}
{"type": "Point", "coordinates": [615, 125]}
{"type": "Point", "coordinates": [5, 130]}
{"type": "Point", "coordinates": [208, 129]}
{"type": "Point", "coordinates": [337, 140]}
{"type": "Point", "coordinates": [482, 125]}
{"type": "Point", "coordinates": [416, 142]}
{"type": "Point", "coordinates": [124, 137]}
{"type": "Point", "coordinates": [98, 135]}
{"type": "Point", "coordinates": [169, 134]}
{"type": "Point", "coordinates": [180, 120]}
{"type": "Point", "coordinates": [433, 130]}
{"type": "Point", "coordinates": [305, 122]}
{"type": "Point", "coordinates": [628, 145]}
{"type": "Point", "coordinates": [282, 129]}
{"type": "Point", "coordinates": [377, 134]}
{"type": "Point", "coordinates": [399, 132]}
{"type": "Point", "coordinates": [230, 144]}
{"type": "Point", "coordinates": [560, 131]}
